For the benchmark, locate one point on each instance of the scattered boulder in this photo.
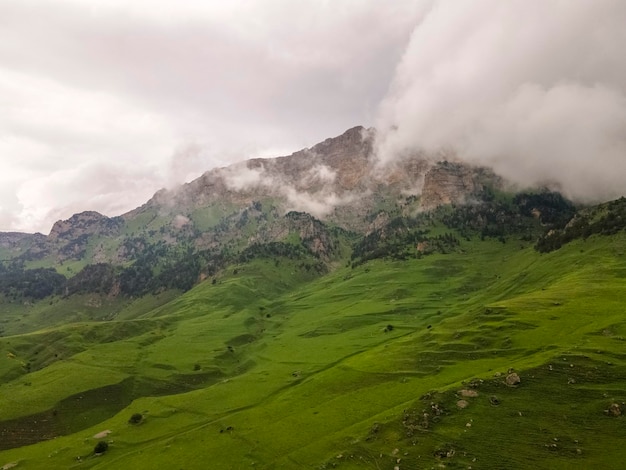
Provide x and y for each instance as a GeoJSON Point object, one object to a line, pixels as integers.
{"type": "Point", "coordinates": [475, 383]}
{"type": "Point", "coordinates": [443, 453]}
{"type": "Point", "coordinates": [468, 393]}
{"type": "Point", "coordinates": [436, 409]}
{"type": "Point", "coordinates": [102, 434]}
{"type": "Point", "coordinates": [462, 404]}
{"type": "Point", "coordinates": [614, 410]}
{"type": "Point", "coordinates": [512, 379]}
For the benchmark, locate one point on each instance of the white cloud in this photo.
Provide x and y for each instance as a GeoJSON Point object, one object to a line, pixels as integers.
{"type": "Point", "coordinates": [314, 193]}
{"type": "Point", "coordinates": [535, 89]}
{"type": "Point", "coordinates": [319, 204]}
{"type": "Point", "coordinates": [157, 92]}
{"type": "Point", "coordinates": [320, 174]}
{"type": "Point", "coordinates": [105, 187]}
{"type": "Point", "coordinates": [58, 151]}
{"type": "Point", "coordinates": [179, 87]}
{"type": "Point", "coordinates": [239, 177]}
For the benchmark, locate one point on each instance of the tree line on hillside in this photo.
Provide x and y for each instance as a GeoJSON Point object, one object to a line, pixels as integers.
{"type": "Point", "coordinates": [38, 283]}
{"type": "Point", "coordinates": [526, 216]}
{"type": "Point", "coordinates": [545, 217]}
{"type": "Point", "coordinates": [156, 267]}
{"type": "Point", "coordinates": [606, 219]}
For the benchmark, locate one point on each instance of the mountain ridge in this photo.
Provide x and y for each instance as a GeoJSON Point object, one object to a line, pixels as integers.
{"type": "Point", "coordinates": [337, 180]}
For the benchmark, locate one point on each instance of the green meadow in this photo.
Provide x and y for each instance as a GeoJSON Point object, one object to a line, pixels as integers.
{"type": "Point", "coordinates": [390, 364]}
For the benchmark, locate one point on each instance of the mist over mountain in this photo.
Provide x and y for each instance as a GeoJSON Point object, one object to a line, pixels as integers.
{"type": "Point", "coordinates": [94, 119]}
{"type": "Point", "coordinates": [338, 180]}
{"type": "Point", "coordinates": [535, 91]}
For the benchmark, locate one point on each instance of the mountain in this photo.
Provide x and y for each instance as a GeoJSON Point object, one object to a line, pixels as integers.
{"type": "Point", "coordinates": [338, 181]}
{"type": "Point", "coordinates": [319, 310]}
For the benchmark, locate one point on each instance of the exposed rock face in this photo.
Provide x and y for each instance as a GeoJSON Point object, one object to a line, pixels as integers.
{"type": "Point", "coordinates": [16, 241]}
{"type": "Point", "coordinates": [512, 379]}
{"type": "Point", "coordinates": [448, 183]}
{"type": "Point", "coordinates": [85, 223]}
{"type": "Point", "coordinates": [70, 237]}
{"type": "Point", "coordinates": [341, 162]}
{"type": "Point", "coordinates": [338, 172]}
{"type": "Point", "coordinates": [614, 410]}
{"type": "Point", "coordinates": [313, 234]}
{"type": "Point", "coordinates": [13, 239]}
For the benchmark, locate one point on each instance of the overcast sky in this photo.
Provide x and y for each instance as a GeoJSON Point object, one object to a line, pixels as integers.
{"type": "Point", "coordinates": [103, 102]}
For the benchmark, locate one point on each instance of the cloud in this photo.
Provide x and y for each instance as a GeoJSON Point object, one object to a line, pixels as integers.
{"type": "Point", "coordinates": [320, 174]}
{"type": "Point", "coordinates": [180, 221]}
{"type": "Point", "coordinates": [240, 177]}
{"type": "Point", "coordinates": [158, 92]}
{"type": "Point", "coordinates": [104, 187]}
{"type": "Point", "coordinates": [66, 150]}
{"type": "Point", "coordinates": [180, 87]}
{"type": "Point", "coordinates": [319, 204]}
{"type": "Point", "coordinates": [535, 89]}
{"type": "Point", "coordinates": [313, 192]}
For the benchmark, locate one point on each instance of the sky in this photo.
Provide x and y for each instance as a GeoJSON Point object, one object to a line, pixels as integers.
{"type": "Point", "coordinates": [104, 102]}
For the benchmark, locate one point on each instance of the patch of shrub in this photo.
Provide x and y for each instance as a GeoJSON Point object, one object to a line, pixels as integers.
{"type": "Point", "coordinates": [101, 447]}
{"type": "Point", "coordinates": [135, 418]}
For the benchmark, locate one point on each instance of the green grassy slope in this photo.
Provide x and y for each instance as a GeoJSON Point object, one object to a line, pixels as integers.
{"type": "Point", "coordinates": [272, 367]}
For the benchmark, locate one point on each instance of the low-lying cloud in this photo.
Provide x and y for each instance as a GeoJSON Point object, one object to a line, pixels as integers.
{"type": "Point", "coordinates": [313, 192]}
{"type": "Point", "coordinates": [537, 90]}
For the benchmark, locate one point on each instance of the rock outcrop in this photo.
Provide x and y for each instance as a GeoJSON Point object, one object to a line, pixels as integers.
{"type": "Point", "coordinates": [452, 183]}
{"type": "Point", "coordinates": [84, 223]}
{"type": "Point", "coordinates": [340, 172]}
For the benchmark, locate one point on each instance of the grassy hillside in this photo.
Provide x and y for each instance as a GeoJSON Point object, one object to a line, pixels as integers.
{"type": "Point", "coordinates": [392, 363]}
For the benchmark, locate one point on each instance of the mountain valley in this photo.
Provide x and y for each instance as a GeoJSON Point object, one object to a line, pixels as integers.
{"type": "Point", "coordinates": [320, 310]}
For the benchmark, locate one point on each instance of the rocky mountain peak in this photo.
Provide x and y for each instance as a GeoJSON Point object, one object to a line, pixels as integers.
{"type": "Point", "coordinates": [337, 175]}
{"type": "Point", "coordinates": [84, 223]}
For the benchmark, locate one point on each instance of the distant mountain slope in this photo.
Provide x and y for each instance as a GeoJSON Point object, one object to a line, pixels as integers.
{"type": "Point", "coordinates": [416, 360]}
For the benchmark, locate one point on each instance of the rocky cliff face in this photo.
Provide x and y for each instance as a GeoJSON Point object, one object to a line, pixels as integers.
{"type": "Point", "coordinates": [324, 172]}
{"type": "Point", "coordinates": [16, 244]}
{"type": "Point", "coordinates": [340, 172]}
{"type": "Point", "coordinates": [85, 223]}
{"type": "Point", "coordinates": [13, 240]}
{"type": "Point", "coordinates": [454, 183]}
